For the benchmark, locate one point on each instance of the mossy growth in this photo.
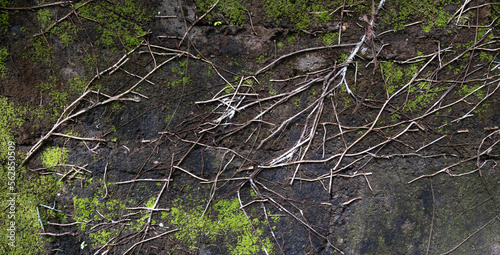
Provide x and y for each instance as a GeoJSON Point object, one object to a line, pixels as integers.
{"type": "Point", "coordinates": [31, 190]}
{"type": "Point", "coordinates": [398, 14]}
{"type": "Point", "coordinates": [40, 51]}
{"type": "Point", "coordinates": [225, 222]}
{"type": "Point", "coordinates": [65, 31]}
{"type": "Point", "coordinates": [10, 119]}
{"type": "Point", "coordinates": [57, 97]}
{"type": "Point", "coordinates": [396, 76]}
{"type": "Point", "coordinates": [3, 56]}
{"type": "Point", "coordinates": [420, 96]}
{"type": "Point", "coordinates": [181, 71]}
{"type": "Point", "coordinates": [232, 10]}
{"type": "Point", "coordinates": [4, 17]}
{"type": "Point", "coordinates": [118, 22]}
{"type": "Point", "coordinates": [330, 38]}
{"type": "Point", "coordinates": [78, 84]}
{"type": "Point", "coordinates": [92, 209]}
{"type": "Point", "coordinates": [54, 156]}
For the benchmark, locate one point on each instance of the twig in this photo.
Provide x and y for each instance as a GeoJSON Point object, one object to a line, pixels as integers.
{"type": "Point", "coordinates": [149, 239]}
{"type": "Point", "coordinates": [148, 208]}
{"type": "Point", "coordinates": [63, 119]}
{"type": "Point", "coordinates": [471, 235]}
{"type": "Point", "coordinates": [352, 200]}
{"type": "Point", "coordinates": [432, 220]}
{"type": "Point", "coordinates": [144, 180]}
{"type": "Point", "coordinates": [190, 174]}
{"type": "Point", "coordinates": [80, 138]}
{"type": "Point", "coordinates": [104, 180]}
{"type": "Point", "coordinates": [302, 51]}
{"type": "Point", "coordinates": [60, 234]}
{"type": "Point", "coordinates": [447, 169]}
{"type": "Point", "coordinates": [196, 21]}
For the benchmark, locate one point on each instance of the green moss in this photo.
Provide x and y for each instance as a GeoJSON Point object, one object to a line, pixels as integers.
{"type": "Point", "coordinates": [90, 61]}
{"type": "Point", "coordinates": [291, 37]}
{"type": "Point", "coordinates": [306, 12]}
{"type": "Point", "coordinates": [227, 222]}
{"type": "Point", "coordinates": [10, 119]}
{"type": "Point", "coordinates": [4, 17]}
{"type": "Point", "coordinates": [180, 71]}
{"type": "Point", "coordinates": [295, 11]}
{"type": "Point", "coordinates": [92, 210]}
{"type": "Point", "coordinates": [118, 22]}
{"type": "Point", "coordinates": [102, 236]}
{"type": "Point", "coordinates": [30, 190]}
{"type": "Point", "coordinates": [420, 96]}
{"type": "Point", "coordinates": [343, 57]}
{"type": "Point", "coordinates": [330, 38]}
{"type": "Point", "coordinates": [44, 18]}
{"type": "Point", "coordinates": [57, 97]}
{"type": "Point", "coordinates": [393, 75]}
{"type": "Point", "coordinates": [40, 51]}
{"type": "Point", "coordinates": [78, 84]}
{"type": "Point", "coordinates": [66, 32]}
{"type": "Point", "coordinates": [485, 57]}
{"type": "Point", "coordinates": [465, 89]}
{"type": "Point", "coordinates": [3, 56]}
{"type": "Point", "coordinates": [398, 14]}
{"type": "Point", "coordinates": [262, 58]}
{"type": "Point", "coordinates": [54, 156]}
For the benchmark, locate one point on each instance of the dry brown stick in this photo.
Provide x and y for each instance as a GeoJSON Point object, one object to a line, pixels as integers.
{"type": "Point", "coordinates": [65, 225]}
{"type": "Point", "coordinates": [310, 136]}
{"type": "Point", "coordinates": [61, 234]}
{"type": "Point", "coordinates": [432, 220]}
{"type": "Point", "coordinates": [143, 180]}
{"type": "Point", "coordinates": [251, 23]}
{"type": "Point", "coordinates": [135, 75]}
{"type": "Point", "coordinates": [104, 180]}
{"type": "Point", "coordinates": [459, 12]}
{"type": "Point", "coordinates": [335, 175]}
{"type": "Point", "coordinates": [190, 174]}
{"type": "Point", "coordinates": [271, 229]}
{"type": "Point", "coordinates": [214, 186]}
{"type": "Point", "coordinates": [80, 138]}
{"type": "Point", "coordinates": [148, 208]}
{"type": "Point", "coordinates": [249, 221]}
{"type": "Point", "coordinates": [149, 239]}
{"type": "Point", "coordinates": [351, 200]}
{"type": "Point", "coordinates": [287, 121]}
{"type": "Point", "coordinates": [486, 186]}
{"type": "Point", "coordinates": [302, 51]}
{"type": "Point", "coordinates": [196, 21]}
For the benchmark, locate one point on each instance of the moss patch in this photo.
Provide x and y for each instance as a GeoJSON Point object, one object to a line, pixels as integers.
{"type": "Point", "coordinates": [3, 56]}
{"type": "Point", "coordinates": [31, 190]}
{"type": "Point", "coordinates": [54, 156]}
{"type": "Point", "coordinates": [118, 22]}
{"type": "Point", "coordinates": [398, 14]}
{"type": "Point", "coordinates": [225, 222]}
{"type": "Point", "coordinates": [232, 10]}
